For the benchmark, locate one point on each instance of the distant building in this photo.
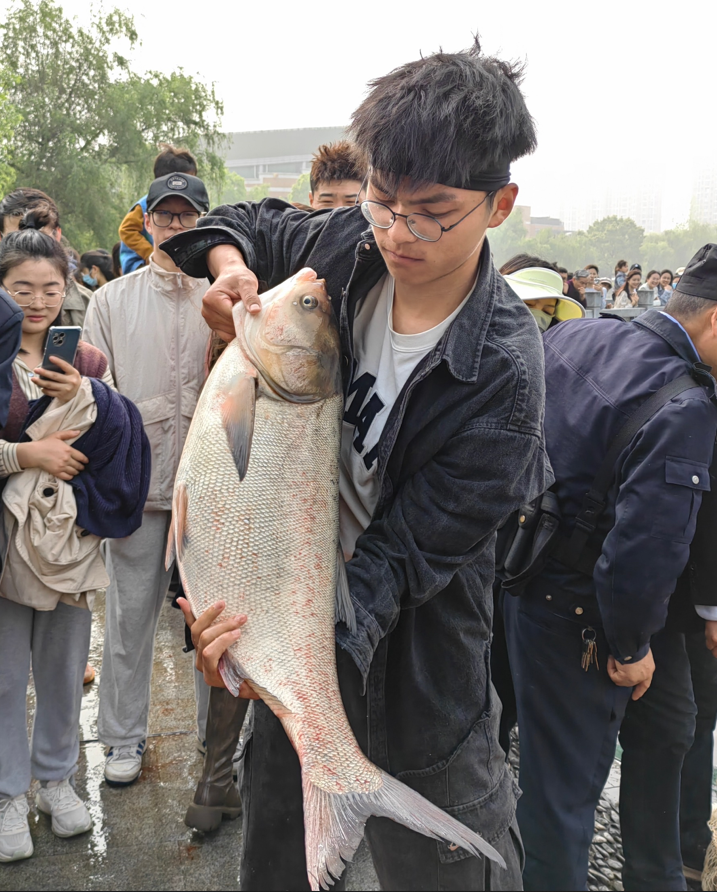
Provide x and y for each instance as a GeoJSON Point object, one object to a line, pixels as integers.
{"type": "Point", "coordinates": [277, 158]}
{"type": "Point", "coordinates": [533, 225]}
{"type": "Point", "coordinates": [640, 202]}
{"type": "Point", "coordinates": [704, 195]}
{"type": "Point", "coordinates": [537, 224]}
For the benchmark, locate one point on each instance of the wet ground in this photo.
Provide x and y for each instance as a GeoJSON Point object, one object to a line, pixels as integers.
{"type": "Point", "coordinates": [139, 840]}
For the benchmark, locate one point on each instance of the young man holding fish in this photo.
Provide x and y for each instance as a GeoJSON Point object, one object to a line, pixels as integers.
{"type": "Point", "coordinates": [442, 440]}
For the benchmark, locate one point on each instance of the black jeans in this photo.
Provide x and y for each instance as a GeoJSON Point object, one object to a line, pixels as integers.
{"type": "Point", "coordinates": [273, 857]}
{"type": "Point", "coordinates": [662, 799]}
{"type": "Point", "coordinates": [696, 792]}
{"type": "Point", "coordinates": [568, 720]}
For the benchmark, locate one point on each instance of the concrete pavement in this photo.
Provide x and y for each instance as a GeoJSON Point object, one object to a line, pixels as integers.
{"type": "Point", "coordinates": [139, 840]}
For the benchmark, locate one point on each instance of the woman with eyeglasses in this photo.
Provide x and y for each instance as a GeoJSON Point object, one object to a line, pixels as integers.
{"type": "Point", "coordinates": [51, 562]}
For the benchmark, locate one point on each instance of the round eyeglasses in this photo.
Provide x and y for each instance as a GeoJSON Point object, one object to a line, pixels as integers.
{"type": "Point", "coordinates": [163, 219]}
{"type": "Point", "coordinates": [25, 298]}
{"type": "Point", "coordinates": [423, 226]}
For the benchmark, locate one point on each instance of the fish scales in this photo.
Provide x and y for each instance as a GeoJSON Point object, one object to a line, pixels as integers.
{"type": "Point", "coordinates": [263, 537]}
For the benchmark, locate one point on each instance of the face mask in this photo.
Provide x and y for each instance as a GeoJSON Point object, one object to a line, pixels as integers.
{"type": "Point", "coordinates": [88, 280]}
{"type": "Point", "coordinates": [542, 318]}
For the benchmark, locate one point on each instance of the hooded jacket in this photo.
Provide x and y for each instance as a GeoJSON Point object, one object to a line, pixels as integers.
{"type": "Point", "coordinates": [149, 325]}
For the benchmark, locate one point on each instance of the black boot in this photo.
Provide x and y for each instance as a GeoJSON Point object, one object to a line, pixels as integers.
{"type": "Point", "coordinates": [217, 795]}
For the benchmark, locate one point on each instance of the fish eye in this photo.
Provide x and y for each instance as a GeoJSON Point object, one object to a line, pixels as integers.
{"type": "Point", "coordinates": [309, 302]}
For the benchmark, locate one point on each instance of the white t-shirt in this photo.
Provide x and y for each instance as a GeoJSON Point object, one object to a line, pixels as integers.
{"type": "Point", "coordinates": [384, 362]}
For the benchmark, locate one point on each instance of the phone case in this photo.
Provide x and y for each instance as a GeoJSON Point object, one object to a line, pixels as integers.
{"type": "Point", "coordinates": [62, 341]}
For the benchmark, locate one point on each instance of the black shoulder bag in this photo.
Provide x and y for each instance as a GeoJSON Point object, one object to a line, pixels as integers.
{"type": "Point", "coordinates": [537, 534]}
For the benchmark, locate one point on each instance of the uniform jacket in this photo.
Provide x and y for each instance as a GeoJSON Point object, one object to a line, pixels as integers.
{"type": "Point", "coordinates": [150, 327]}
{"type": "Point", "coordinates": [11, 317]}
{"type": "Point", "coordinates": [461, 448]}
{"type": "Point", "coordinates": [598, 372]}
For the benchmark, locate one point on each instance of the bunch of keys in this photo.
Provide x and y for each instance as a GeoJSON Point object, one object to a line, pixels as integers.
{"type": "Point", "coordinates": [589, 648]}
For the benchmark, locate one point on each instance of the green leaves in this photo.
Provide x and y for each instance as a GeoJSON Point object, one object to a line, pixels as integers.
{"type": "Point", "coordinates": [300, 190]}
{"type": "Point", "coordinates": [604, 243]}
{"type": "Point", "coordinates": [79, 123]}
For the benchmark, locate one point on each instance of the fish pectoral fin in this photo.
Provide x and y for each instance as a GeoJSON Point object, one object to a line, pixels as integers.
{"type": "Point", "coordinates": [238, 419]}
{"type": "Point", "coordinates": [177, 538]}
{"type": "Point", "coordinates": [344, 606]}
{"type": "Point", "coordinates": [171, 552]}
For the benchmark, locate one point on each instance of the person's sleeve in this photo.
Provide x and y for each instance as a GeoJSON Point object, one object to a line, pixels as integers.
{"type": "Point", "coordinates": [10, 339]}
{"type": "Point", "coordinates": [8, 459]}
{"type": "Point", "coordinates": [441, 519]}
{"type": "Point", "coordinates": [274, 237]}
{"type": "Point", "coordinates": [662, 481]}
{"type": "Point", "coordinates": [98, 332]}
{"type": "Point", "coordinates": [130, 232]}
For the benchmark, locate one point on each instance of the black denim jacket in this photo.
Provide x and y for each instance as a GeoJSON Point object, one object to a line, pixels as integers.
{"type": "Point", "coordinates": [462, 448]}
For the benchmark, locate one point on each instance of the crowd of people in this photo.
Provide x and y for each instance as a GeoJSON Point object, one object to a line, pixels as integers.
{"type": "Point", "coordinates": [526, 501]}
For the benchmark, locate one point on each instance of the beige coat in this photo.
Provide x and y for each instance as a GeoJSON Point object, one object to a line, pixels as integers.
{"type": "Point", "coordinates": [49, 558]}
{"type": "Point", "coordinates": [149, 325]}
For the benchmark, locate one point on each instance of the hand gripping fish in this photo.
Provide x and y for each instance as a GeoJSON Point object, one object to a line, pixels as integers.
{"type": "Point", "coordinates": [255, 522]}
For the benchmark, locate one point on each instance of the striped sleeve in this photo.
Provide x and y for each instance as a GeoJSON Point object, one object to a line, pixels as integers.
{"type": "Point", "coordinates": [8, 459]}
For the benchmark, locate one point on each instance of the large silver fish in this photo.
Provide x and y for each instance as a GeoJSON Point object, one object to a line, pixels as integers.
{"type": "Point", "coordinates": [255, 522]}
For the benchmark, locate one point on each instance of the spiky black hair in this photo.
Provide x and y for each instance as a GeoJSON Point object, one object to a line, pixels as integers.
{"type": "Point", "coordinates": [337, 161]}
{"type": "Point", "coordinates": [445, 119]}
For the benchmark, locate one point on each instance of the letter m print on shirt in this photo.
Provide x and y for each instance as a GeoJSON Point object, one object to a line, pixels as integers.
{"type": "Point", "coordinates": [361, 413]}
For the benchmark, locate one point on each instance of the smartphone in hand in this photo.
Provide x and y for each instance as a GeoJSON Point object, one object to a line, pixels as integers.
{"type": "Point", "coordinates": [62, 341]}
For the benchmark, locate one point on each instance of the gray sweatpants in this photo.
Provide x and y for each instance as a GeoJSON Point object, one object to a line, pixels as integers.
{"type": "Point", "coordinates": [135, 596]}
{"type": "Point", "coordinates": [57, 643]}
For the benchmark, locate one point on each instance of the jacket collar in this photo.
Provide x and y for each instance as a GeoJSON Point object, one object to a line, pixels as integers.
{"type": "Point", "coordinates": [655, 322]}
{"type": "Point", "coordinates": [169, 282]}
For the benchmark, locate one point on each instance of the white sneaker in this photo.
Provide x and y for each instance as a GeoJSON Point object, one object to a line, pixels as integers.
{"type": "Point", "coordinates": [69, 813]}
{"type": "Point", "coordinates": [123, 764]}
{"type": "Point", "coordinates": [15, 839]}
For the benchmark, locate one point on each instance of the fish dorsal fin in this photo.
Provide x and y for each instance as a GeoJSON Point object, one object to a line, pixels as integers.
{"type": "Point", "coordinates": [344, 607]}
{"type": "Point", "coordinates": [238, 419]}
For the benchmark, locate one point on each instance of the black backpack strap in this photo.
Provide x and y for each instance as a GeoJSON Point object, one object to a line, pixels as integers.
{"type": "Point", "coordinates": [573, 551]}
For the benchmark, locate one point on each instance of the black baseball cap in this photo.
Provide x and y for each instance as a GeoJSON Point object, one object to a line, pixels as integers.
{"type": "Point", "coordinates": [700, 276]}
{"type": "Point", "coordinates": [183, 185]}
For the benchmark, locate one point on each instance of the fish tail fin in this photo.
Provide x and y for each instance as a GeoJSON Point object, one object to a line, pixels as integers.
{"type": "Point", "coordinates": [334, 825]}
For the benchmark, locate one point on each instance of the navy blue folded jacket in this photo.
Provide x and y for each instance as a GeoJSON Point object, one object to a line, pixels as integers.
{"type": "Point", "coordinates": [111, 491]}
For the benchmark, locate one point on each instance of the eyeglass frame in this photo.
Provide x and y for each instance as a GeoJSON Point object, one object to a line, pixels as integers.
{"type": "Point", "coordinates": [63, 295]}
{"type": "Point", "coordinates": [178, 216]}
{"type": "Point", "coordinates": [406, 216]}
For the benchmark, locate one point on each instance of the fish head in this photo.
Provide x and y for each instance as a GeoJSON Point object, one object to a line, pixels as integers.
{"type": "Point", "coordinates": [294, 340]}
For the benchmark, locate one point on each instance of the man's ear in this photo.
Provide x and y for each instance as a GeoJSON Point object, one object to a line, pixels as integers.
{"type": "Point", "coordinates": [311, 199]}
{"type": "Point", "coordinates": [58, 234]}
{"type": "Point", "coordinates": [503, 205]}
{"type": "Point", "coordinates": [713, 322]}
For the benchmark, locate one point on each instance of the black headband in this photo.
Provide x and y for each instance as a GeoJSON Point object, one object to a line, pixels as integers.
{"type": "Point", "coordinates": [486, 181]}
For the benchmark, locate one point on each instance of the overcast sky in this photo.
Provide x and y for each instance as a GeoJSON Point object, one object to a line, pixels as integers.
{"type": "Point", "coordinates": [619, 89]}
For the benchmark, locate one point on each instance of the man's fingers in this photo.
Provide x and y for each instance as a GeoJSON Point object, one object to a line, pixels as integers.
{"type": "Point", "coordinates": [205, 619]}
{"type": "Point", "coordinates": [78, 456]}
{"type": "Point", "coordinates": [212, 653]}
{"type": "Point", "coordinates": [247, 692]}
{"type": "Point", "coordinates": [640, 689]}
{"type": "Point", "coordinates": [216, 631]}
{"type": "Point", "coordinates": [189, 617]}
